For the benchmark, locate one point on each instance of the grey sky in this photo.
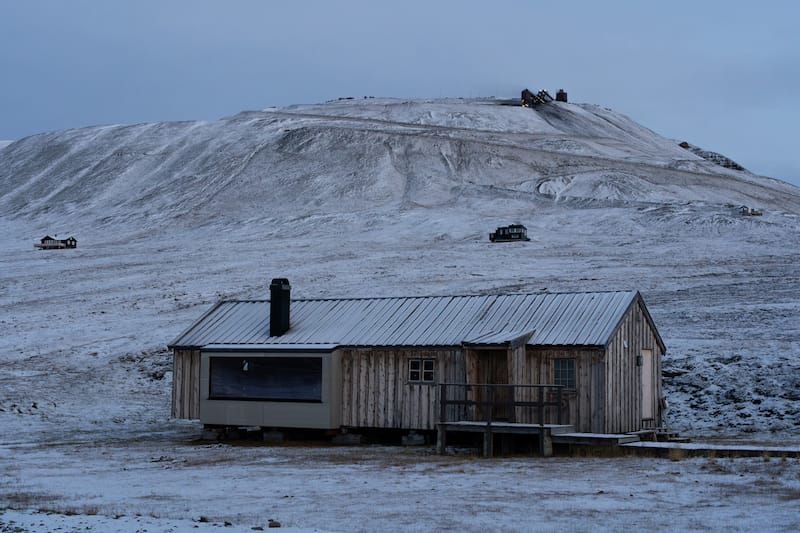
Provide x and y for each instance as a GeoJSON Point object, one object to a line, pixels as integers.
{"type": "Point", "coordinates": [722, 75]}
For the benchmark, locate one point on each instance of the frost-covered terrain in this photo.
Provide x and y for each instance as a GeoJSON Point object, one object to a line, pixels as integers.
{"type": "Point", "coordinates": [368, 198]}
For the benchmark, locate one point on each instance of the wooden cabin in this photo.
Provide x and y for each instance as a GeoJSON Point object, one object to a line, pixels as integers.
{"type": "Point", "coordinates": [49, 243]}
{"type": "Point", "coordinates": [384, 362]}
{"type": "Point", "coordinates": [514, 232]}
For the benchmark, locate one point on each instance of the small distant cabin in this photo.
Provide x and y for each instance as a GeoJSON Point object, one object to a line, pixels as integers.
{"type": "Point", "coordinates": [561, 96]}
{"type": "Point", "coordinates": [514, 232]}
{"type": "Point", "coordinates": [749, 211]}
{"type": "Point", "coordinates": [591, 360]}
{"type": "Point", "coordinates": [49, 243]}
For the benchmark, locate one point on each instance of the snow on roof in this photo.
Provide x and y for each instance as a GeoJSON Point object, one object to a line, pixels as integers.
{"type": "Point", "coordinates": [550, 319]}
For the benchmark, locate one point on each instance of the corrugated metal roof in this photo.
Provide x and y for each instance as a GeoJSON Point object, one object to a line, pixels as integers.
{"type": "Point", "coordinates": [582, 319]}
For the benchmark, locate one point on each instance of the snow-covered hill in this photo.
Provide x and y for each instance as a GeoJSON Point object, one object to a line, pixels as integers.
{"type": "Point", "coordinates": [360, 154]}
{"type": "Point", "coordinates": [387, 197]}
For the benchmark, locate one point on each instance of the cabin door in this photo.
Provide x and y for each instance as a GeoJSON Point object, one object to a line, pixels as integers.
{"type": "Point", "coordinates": [648, 388]}
{"type": "Point", "coordinates": [490, 367]}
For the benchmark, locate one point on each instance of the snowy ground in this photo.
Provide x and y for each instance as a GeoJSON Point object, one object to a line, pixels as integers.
{"type": "Point", "coordinates": [126, 483]}
{"type": "Point", "coordinates": [85, 381]}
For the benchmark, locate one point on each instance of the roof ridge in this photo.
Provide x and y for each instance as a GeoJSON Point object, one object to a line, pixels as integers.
{"type": "Point", "coordinates": [360, 298]}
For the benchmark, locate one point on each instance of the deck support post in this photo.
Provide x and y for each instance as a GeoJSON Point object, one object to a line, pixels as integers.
{"type": "Point", "coordinates": [546, 443]}
{"type": "Point", "coordinates": [488, 441]}
{"type": "Point", "coordinates": [441, 430]}
{"type": "Point", "coordinates": [441, 439]}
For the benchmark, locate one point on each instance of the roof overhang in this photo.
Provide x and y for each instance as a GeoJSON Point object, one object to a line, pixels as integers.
{"type": "Point", "coordinates": [304, 348]}
{"type": "Point", "coordinates": [512, 339]}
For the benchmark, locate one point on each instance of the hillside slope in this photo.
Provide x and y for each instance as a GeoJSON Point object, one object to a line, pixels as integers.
{"type": "Point", "coordinates": [349, 155]}
{"type": "Point", "coordinates": [383, 197]}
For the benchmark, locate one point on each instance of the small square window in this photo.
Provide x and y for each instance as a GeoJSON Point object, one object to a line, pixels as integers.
{"type": "Point", "coordinates": [422, 370]}
{"type": "Point", "coordinates": [564, 373]}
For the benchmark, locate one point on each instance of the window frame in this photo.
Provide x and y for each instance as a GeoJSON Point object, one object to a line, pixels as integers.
{"type": "Point", "coordinates": [565, 375]}
{"type": "Point", "coordinates": [424, 368]}
{"type": "Point", "coordinates": [223, 368]}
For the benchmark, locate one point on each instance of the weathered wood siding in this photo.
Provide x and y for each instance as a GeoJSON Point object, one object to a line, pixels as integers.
{"type": "Point", "coordinates": [623, 379]}
{"type": "Point", "coordinates": [535, 366]}
{"type": "Point", "coordinates": [186, 384]}
{"type": "Point", "coordinates": [376, 392]}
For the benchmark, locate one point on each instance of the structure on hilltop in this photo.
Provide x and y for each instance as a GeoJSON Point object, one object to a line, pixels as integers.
{"type": "Point", "coordinates": [529, 99]}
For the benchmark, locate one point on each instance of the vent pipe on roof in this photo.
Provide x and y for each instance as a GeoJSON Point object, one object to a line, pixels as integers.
{"type": "Point", "coordinates": [279, 291]}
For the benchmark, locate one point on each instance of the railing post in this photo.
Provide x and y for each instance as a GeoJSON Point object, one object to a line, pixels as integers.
{"type": "Point", "coordinates": [491, 403]}
{"type": "Point", "coordinates": [542, 437]}
{"type": "Point", "coordinates": [488, 438]}
{"type": "Point", "coordinates": [541, 406]}
{"type": "Point", "coordinates": [560, 406]}
{"type": "Point", "coordinates": [443, 403]}
{"type": "Point", "coordinates": [512, 402]}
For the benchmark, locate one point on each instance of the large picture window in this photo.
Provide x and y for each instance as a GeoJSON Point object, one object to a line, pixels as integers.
{"type": "Point", "coordinates": [564, 372]}
{"type": "Point", "coordinates": [296, 379]}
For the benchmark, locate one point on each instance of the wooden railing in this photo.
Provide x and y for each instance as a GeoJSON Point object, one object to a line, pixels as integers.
{"type": "Point", "coordinates": [484, 402]}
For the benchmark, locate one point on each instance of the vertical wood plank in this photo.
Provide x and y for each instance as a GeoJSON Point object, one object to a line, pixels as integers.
{"type": "Point", "coordinates": [380, 401]}
{"type": "Point", "coordinates": [371, 389]}
{"type": "Point", "coordinates": [177, 380]}
{"type": "Point", "coordinates": [356, 387]}
{"type": "Point", "coordinates": [346, 384]}
{"type": "Point", "coordinates": [194, 390]}
{"type": "Point", "coordinates": [391, 392]}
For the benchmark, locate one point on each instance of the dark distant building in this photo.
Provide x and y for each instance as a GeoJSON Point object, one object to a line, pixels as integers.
{"type": "Point", "coordinates": [561, 95]}
{"type": "Point", "coordinates": [514, 232]}
{"type": "Point", "coordinates": [49, 243]}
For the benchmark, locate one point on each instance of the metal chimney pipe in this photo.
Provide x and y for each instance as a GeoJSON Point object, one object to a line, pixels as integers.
{"type": "Point", "coordinates": [279, 299]}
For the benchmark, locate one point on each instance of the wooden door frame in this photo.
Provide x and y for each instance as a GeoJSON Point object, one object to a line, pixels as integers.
{"type": "Point", "coordinates": [473, 354]}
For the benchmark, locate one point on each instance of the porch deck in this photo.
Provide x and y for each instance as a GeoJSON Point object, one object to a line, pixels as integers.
{"type": "Point", "coordinates": [507, 427]}
{"type": "Point", "coordinates": [549, 434]}
{"type": "Point", "coordinates": [470, 408]}
{"type": "Point", "coordinates": [473, 408]}
{"type": "Point", "coordinates": [490, 429]}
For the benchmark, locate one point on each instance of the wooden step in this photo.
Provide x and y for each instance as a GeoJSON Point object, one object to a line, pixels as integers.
{"type": "Point", "coordinates": [603, 439]}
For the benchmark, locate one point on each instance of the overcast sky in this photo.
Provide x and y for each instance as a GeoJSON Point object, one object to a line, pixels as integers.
{"type": "Point", "coordinates": [724, 75]}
